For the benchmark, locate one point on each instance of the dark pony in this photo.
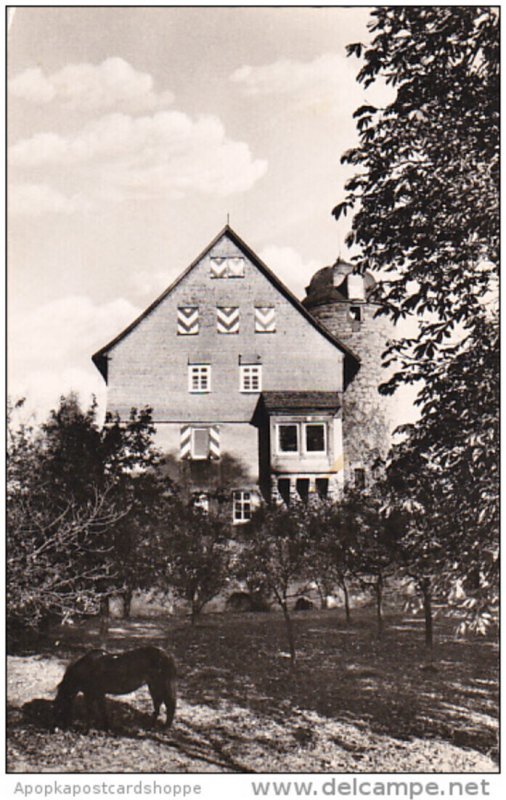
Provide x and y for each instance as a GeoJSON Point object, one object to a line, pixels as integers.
{"type": "Point", "coordinates": [99, 673]}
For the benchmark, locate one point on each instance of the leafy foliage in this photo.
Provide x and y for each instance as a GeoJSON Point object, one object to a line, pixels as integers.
{"type": "Point", "coordinates": [195, 556]}
{"type": "Point", "coordinates": [275, 556]}
{"type": "Point", "coordinates": [426, 191]}
{"type": "Point", "coordinates": [76, 498]}
{"type": "Point", "coordinates": [426, 203]}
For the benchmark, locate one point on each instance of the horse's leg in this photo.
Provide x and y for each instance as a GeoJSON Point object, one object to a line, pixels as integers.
{"type": "Point", "coordinates": [170, 701]}
{"type": "Point", "coordinates": [102, 709]}
{"type": "Point", "coordinates": [90, 702]}
{"type": "Point", "coordinates": [157, 698]}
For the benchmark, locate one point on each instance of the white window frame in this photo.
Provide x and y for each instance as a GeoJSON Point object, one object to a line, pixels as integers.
{"type": "Point", "coordinates": [307, 425]}
{"type": "Point", "coordinates": [240, 499]}
{"type": "Point", "coordinates": [247, 373]}
{"type": "Point", "coordinates": [194, 456]}
{"type": "Point", "coordinates": [199, 371]}
{"type": "Point", "coordinates": [301, 439]}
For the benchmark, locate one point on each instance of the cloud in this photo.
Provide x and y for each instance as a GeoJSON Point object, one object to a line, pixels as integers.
{"type": "Point", "coordinates": [325, 85]}
{"type": "Point", "coordinates": [288, 265]}
{"type": "Point", "coordinates": [165, 154]}
{"type": "Point", "coordinates": [35, 199]}
{"type": "Point", "coordinates": [324, 79]}
{"type": "Point", "coordinates": [113, 84]}
{"type": "Point", "coordinates": [62, 336]}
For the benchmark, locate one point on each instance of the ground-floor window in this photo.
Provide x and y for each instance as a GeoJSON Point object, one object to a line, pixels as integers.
{"type": "Point", "coordinates": [322, 487]}
{"type": "Point", "coordinates": [302, 486]}
{"type": "Point", "coordinates": [241, 506]}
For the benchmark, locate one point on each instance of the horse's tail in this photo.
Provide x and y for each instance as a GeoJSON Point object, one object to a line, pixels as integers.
{"type": "Point", "coordinates": [168, 670]}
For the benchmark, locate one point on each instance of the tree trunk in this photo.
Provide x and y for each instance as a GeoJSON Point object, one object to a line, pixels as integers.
{"type": "Point", "coordinates": [104, 616]}
{"type": "Point", "coordinates": [322, 596]}
{"type": "Point", "coordinates": [427, 610]}
{"type": "Point", "coordinates": [347, 611]}
{"type": "Point", "coordinates": [127, 603]}
{"type": "Point", "coordinates": [379, 604]}
{"type": "Point", "coordinates": [289, 633]}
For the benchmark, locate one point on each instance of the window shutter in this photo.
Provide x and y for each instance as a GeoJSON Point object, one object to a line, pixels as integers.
{"type": "Point", "coordinates": [187, 320]}
{"type": "Point", "coordinates": [236, 267]}
{"type": "Point", "coordinates": [218, 267]}
{"type": "Point", "coordinates": [265, 319]}
{"type": "Point", "coordinates": [214, 442]}
{"type": "Point", "coordinates": [185, 442]}
{"type": "Point", "coordinates": [227, 319]}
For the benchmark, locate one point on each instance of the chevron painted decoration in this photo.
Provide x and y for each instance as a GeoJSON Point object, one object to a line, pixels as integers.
{"type": "Point", "coordinates": [200, 442]}
{"type": "Point", "coordinates": [214, 442]}
{"type": "Point", "coordinates": [227, 319]}
{"type": "Point", "coordinates": [185, 442]}
{"type": "Point", "coordinates": [187, 320]}
{"type": "Point", "coordinates": [236, 267]}
{"type": "Point", "coordinates": [219, 267]}
{"type": "Point", "coordinates": [265, 319]}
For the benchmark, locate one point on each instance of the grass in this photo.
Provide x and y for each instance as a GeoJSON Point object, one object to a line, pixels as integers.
{"type": "Point", "coordinates": [354, 703]}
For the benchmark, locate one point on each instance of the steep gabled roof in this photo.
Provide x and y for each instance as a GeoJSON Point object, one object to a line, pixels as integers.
{"type": "Point", "coordinates": [351, 361]}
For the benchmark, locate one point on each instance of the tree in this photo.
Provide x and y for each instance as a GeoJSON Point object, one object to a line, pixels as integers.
{"type": "Point", "coordinates": [450, 493]}
{"type": "Point", "coordinates": [426, 193]}
{"type": "Point", "coordinates": [76, 492]}
{"type": "Point", "coordinates": [57, 560]}
{"type": "Point", "coordinates": [332, 552]}
{"type": "Point", "coordinates": [426, 197]}
{"type": "Point", "coordinates": [275, 556]}
{"type": "Point", "coordinates": [195, 556]}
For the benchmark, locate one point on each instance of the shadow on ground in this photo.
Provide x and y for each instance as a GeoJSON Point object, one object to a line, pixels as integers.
{"type": "Point", "coordinates": [343, 673]}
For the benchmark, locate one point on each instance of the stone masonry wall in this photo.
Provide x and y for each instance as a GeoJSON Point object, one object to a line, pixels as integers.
{"type": "Point", "coordinates": [368, 417]}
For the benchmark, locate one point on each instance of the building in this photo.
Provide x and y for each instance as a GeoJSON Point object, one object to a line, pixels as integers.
{"type": "Point", "coordinates": [344, 303]}
{"type": "Point", "coordinates": [246, 385]}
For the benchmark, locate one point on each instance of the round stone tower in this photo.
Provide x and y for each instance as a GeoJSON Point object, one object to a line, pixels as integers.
{"type": "Point", "coordinates": [342, 301]}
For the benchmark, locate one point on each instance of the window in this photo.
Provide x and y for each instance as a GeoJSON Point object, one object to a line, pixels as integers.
{"type": "Point", "coordinates": [356, 288]}
{"type": "Point", "coordinates": [288, 438]}
{"type": "Point", "coordinates": [322, 487]}
{"type": "Point", "coordinates": [304, 438]}
{"type": "Point", "coordinates": [187, 321]}
{"type": "Point", "coordinates": [242, 509]}
{"type": "Point", "coordinates": [359, 477]}
{"type": "Point", "coordinates": [356, 313]}
{"type": "Point", "coordinates": [315, 437]}
{"type": "Point", "coordinates": [284, 489]}
{"type": "Point", "coordinates": [265, 319]}
{"type": "Point", "coordinates": [199, 443]}
{"type": "Point", "coordinates": [302, 486]}
{"type": "Point", "coordinates": [250, 378]}
{"type": "Point", "coordinates": [199, 378]}
{"type": "Point", "coordinates": [227, 319]}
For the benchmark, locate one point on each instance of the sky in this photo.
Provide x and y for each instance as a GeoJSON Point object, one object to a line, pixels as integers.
{"type": "Point", "coordinates": [133, 134]}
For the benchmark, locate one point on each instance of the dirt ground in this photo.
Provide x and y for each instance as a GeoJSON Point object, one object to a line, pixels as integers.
{"type": "Point", "coordinates": [353, 703]}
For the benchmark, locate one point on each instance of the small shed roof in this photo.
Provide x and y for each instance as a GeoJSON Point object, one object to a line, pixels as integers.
{"type": "Point", "coordinates": [290, 402]}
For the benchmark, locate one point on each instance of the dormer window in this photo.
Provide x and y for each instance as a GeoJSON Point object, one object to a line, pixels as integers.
{"type": "Point", "coordinates": [356, 289]}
